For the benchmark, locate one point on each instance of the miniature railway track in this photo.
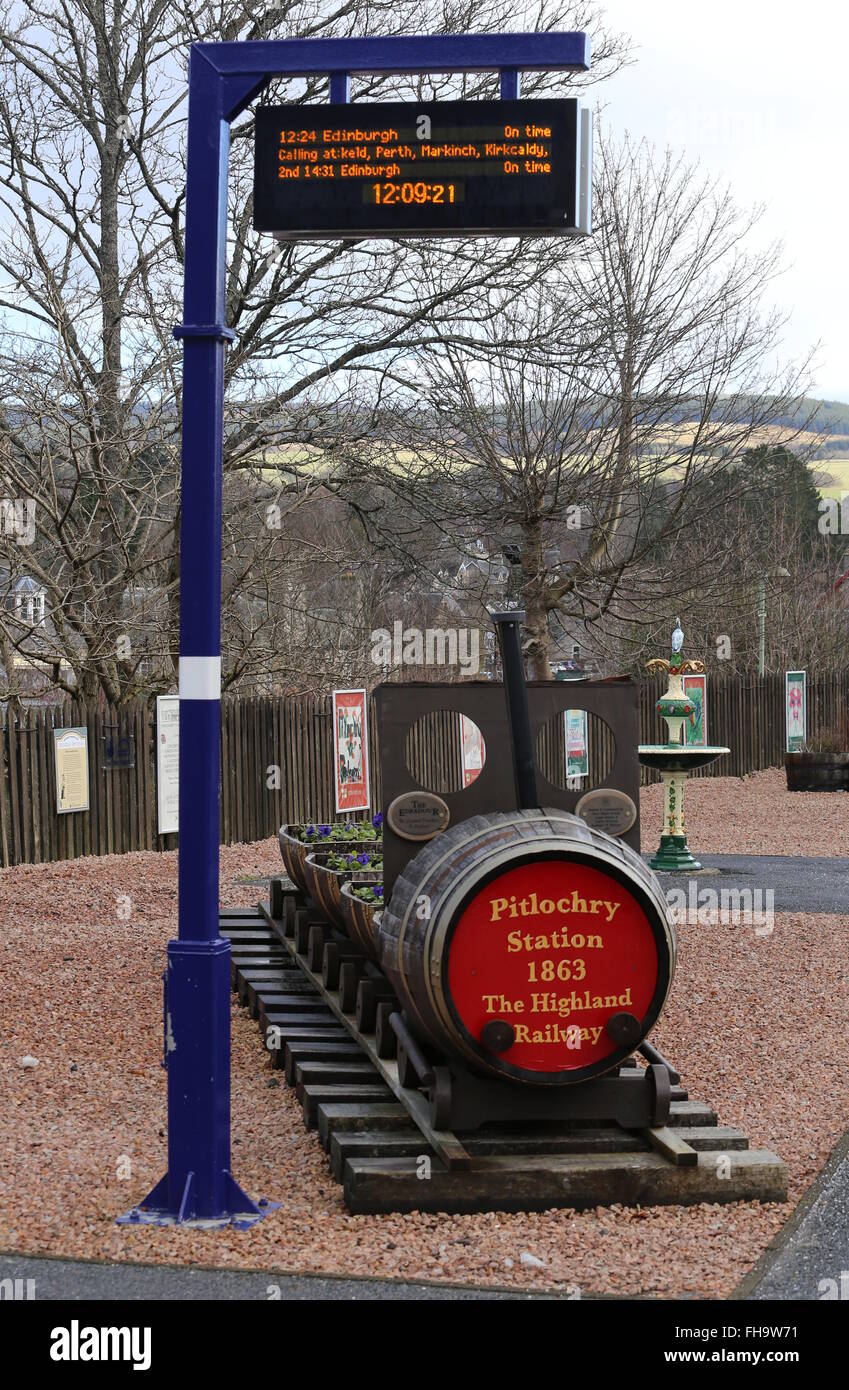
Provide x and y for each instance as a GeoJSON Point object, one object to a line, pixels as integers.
{"type": "Point", "coordinates": [298, 978]}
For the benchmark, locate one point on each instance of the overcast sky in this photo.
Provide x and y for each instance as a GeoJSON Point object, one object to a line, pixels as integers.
{"type": "Point", "coordinates": [757, 91]}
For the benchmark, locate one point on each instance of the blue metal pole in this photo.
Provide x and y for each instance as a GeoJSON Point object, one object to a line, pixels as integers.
{"type": "Point", "coordinates": [198, 1184]}
{"type": "Point", "coordinates": [223, 79]}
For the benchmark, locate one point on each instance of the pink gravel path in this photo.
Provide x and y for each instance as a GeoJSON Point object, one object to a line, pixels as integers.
{"type": "Point", "coordinates": [94, 1108]}
{"type": "Point", "coordinates": [753, 815]}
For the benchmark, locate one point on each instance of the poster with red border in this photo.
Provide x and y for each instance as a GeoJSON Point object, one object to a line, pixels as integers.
{"type": "Point", "coordinates": [472, 750]}
{"type": "Point", "coordinates": [695, 734]}
{"type": "Point", "coordinates": [350, 750]}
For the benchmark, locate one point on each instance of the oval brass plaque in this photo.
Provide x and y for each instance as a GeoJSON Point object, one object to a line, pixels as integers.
{"type": "Point", "coordinates": [608, 810]}
{"type": "Point", "coordinates": [418, 815]}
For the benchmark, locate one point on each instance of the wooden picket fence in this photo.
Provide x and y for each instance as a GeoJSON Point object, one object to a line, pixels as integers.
{"type": "Point", "coordinates": [746, 714]}
{"type": "Point", "coordinates": [277, 762]}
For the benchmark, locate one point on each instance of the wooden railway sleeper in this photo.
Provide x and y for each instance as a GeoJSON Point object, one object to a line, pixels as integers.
{"type": "Point", "coordinates": [370, 993]}
{"type": "Point", "coordinates": [333, 958]}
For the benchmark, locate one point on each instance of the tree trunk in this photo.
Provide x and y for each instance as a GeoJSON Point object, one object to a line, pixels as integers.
{"type": "Point", "coordinates": [537, 639]}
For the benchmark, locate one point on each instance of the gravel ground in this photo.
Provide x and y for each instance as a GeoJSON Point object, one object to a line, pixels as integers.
{"type": "Point", "coordinates": [752, 815]}
{"type": "Point", "coordinates": [83, 1133]}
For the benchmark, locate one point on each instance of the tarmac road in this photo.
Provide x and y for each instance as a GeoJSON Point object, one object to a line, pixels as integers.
{"type": "Point", "coordinates": [800, 884]}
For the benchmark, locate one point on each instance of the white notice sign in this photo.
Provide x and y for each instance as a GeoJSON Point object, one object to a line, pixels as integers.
{"type": "Point", "coordinates": [167, 763]}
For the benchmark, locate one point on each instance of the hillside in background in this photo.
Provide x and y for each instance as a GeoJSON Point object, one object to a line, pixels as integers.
{"type": "Point", "coordinates": [820, 428]}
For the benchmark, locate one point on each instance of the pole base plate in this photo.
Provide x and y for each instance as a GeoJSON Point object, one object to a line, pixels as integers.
{"type": "Point", "coordinates": [239, 1210]}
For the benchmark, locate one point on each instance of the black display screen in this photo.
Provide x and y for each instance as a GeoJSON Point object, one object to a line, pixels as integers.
{"type": "Point", "coordinates": [417, 169]}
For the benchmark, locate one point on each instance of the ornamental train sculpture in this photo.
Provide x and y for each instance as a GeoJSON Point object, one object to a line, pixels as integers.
{"type": "Point", "coordinates": [498, 953]}
{"type": "Point", "coordinates": [533, 947]}
{"type": "Point", "coordinates": [523, 952]}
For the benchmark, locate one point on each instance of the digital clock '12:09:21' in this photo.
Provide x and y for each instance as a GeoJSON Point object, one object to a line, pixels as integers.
{"type": "Point", "coordinates": [389, 194]}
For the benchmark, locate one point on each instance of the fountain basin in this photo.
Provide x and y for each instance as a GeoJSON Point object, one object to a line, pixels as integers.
{"type": "Point", "coordinates": [666, 757]}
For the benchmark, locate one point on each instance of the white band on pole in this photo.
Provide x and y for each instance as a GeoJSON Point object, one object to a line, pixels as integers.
{"type": "Point", "coordinates": [200, 677]}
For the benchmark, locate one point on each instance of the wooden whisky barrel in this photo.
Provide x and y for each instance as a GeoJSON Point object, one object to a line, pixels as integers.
{"type": "Point", "coordinates": [529, 945]}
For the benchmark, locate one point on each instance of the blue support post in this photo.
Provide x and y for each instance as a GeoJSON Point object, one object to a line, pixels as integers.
{"type": "Point", "coordinates": [511, 83]}
{"type": "Point", "coordinates": [340, 87]}
{"type": "Point", "coordinates": [223, 79]}
{"type": "Point", "coordinates": [198, 1184]}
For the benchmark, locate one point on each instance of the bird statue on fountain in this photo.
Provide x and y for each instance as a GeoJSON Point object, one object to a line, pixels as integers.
{"type": "Point", "coordinates": [676, 663]}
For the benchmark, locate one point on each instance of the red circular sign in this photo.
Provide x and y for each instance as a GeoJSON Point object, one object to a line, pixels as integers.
{"type": "Point", "coordinates": [554, 948]}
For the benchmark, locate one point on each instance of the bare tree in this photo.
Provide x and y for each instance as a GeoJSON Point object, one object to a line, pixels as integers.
{"type": "Point", "coordinates": [584, 421]}
{"type": "Point", "coordinates": [92, 149]}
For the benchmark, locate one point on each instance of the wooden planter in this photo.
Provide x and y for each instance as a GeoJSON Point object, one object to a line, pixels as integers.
{"type": "Point", "coordinates": [294, 852]}
{"type": "Point", "coordinates": [817, 772]}
{"type": "Point", "coordinates": [359, 915]}
{"type": "Point", "coordinates": [324, 886]}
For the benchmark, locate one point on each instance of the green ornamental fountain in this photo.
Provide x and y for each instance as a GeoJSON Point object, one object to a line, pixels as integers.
{"type": "Point", "coordinates": [674, 760]}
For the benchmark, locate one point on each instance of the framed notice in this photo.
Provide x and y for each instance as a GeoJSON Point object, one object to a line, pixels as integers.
{"type": "Point", "coordinates": [350, 750]}
{"type": "Point", "coordinates": [70, 751]}
{"type": "Point", "coordinates": [577, 745]}
{"type": "Point", "coordinates": [472, 750]}
{"type": "Point", "coordinates": [796, 709]}
{"type": "Point", "coordinates": [167, 764]}
{"type": "Point", "coordinates": [695, 733]}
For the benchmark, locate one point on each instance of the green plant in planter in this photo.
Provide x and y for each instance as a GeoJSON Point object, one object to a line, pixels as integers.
{"type": "Point", "coordinates": [834, 738]}
{"type": "Point", "coordinates": [369, 892]}
{"type": "Point", "coordinates": [371, 863]}
{"type": "Point", "coordinates": [338, 832]}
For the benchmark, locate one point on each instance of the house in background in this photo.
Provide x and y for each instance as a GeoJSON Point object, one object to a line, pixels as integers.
{"type": "Point", "coordinates": [29, 666]}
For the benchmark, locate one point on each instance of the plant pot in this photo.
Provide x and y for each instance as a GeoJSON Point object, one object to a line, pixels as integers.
{"type": "Point", "coordinates": [324, 886]}
{"type": "Point", "coordinates": [294, 852]}
{"type": "Point", "coordinates": [817, 772]}
{"type": "Point", "coordinates": [359, 915]}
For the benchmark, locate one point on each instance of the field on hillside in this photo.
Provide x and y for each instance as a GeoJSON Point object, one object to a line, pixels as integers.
{"type": "Point", "coordinates": [837, 471]}
{"type": "Point", "coordinates": [831, 474]}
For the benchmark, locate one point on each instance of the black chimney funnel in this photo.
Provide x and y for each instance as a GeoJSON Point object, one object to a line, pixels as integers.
{"type": "Point", "coordinates": [508, 627]}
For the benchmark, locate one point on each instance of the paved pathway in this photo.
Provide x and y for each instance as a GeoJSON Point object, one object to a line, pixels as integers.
{"type": "Point", "coordinates": [799, 884]}
{"type": "Point", "coordinates": [78, 1279]}
{"type": "Point", "coordinates": [809, 1258]}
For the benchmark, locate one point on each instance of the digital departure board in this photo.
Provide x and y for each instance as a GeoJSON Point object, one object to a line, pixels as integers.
{"type": "Point", "coordinates": [402, 169]}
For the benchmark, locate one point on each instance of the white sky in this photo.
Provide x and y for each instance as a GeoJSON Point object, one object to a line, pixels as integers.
{"type": "Point", "coordinates": [758, 92]}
